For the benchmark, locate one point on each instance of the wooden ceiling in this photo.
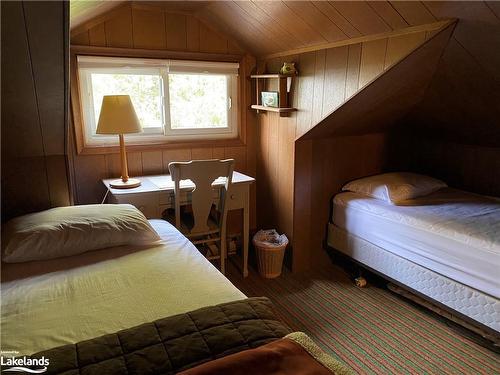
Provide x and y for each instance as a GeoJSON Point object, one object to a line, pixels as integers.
{"type": "Point", "coordinates": [266, 28]}
{"type": "Point", "coordinates": [269, 27]}
{"type": "Point", "coordinates": [83, 10]}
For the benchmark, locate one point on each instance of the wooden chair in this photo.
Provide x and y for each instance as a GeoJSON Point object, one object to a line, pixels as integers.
{"type": "Point", "coordinates": [202, 226]}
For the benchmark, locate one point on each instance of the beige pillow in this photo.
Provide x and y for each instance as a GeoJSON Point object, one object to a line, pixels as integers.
{"type": "Point", "coordinates": [395, 187]}
{"type": "Point", "coordinates": [66, 231]}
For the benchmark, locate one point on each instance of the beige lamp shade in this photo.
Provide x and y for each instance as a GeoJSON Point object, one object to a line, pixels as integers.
{"type": "Point", "coordinates": [118, 116]}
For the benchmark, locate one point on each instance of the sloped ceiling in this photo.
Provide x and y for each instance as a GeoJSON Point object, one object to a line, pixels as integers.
{"type": "Point", "coordinates": [267, 27]}
{"type": "Point", "coordinates": [462, 103]}
{"type": "Point", "coordinates": [83, 10]}
{"type": "Point", "coordinates": [387, 99]}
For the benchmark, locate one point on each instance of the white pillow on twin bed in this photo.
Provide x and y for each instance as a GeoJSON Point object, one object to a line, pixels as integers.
{"type": "Point", "coordinates": [66, 231]}
{"type": "Point", "coordinates": [395, 187]}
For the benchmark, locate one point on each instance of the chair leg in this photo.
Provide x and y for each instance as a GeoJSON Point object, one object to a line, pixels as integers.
{"type": "Point", "coordinates": [222, 254]}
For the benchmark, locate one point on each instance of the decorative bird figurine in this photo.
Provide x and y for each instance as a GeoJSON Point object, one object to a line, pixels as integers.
{"type": "Point", "coordinates": [288, 68]}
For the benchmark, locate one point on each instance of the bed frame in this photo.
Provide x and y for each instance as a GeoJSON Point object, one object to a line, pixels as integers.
{"type": "Point", "coordinates": [477, 308]}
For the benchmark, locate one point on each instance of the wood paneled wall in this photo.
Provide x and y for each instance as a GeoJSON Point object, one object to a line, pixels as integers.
{"type": "Point", "coordinates": [327, 78]}
{"type": "Point", "coordinates": [455, 130]}
{"type": "Point", "coordinates": [463, 166]}
{"type": "Point", "coordinates": [35, 37]}
{"type": "Point", "coordinates": [462, 103]}
{"type": "Point", "coordinates": [323, 166]}
{"type": "Point", "coordinates": [150, 27]}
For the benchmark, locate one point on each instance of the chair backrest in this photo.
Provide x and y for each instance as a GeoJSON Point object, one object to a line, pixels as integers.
{"type": "Point", "coordinates": [202, 173]}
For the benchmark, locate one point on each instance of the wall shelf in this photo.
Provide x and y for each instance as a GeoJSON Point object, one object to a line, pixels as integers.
{"type": "Point", "coordinates": [273, 109]}
{"type": "Point", "coordinates": [284, 87]}
{"type": "Point", "coordinates": [271, 76]}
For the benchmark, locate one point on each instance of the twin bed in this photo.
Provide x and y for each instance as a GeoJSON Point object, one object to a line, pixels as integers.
{"type": "Point", "coordinates": [445, 246]}
{"type": "Point", "coordinates": [55, 302]}
{"type": "Point", "coordinates": [73, 304]}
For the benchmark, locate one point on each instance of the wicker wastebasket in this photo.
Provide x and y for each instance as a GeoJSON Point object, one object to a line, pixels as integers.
{"type": "Point", "coordinates": [270, 252]}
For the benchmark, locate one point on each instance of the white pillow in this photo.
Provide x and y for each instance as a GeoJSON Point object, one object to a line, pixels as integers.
{"type": "Point", "coordinates": [66, 231]}
{"type": "Point", "coordinates": [395, 187]}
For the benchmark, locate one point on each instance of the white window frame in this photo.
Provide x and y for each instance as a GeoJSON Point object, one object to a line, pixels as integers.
{"type": "Point", "coordinates": [92, 64]}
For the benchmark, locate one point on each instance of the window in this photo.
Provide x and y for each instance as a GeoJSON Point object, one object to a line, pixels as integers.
{"type": "Point", "coordinates": [174, 100]}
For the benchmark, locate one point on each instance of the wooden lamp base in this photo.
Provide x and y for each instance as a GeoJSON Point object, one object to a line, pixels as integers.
{"type": "Point", "coordinates": [124, 182]}
{"type": "Point", "coordinates": [120, 184]}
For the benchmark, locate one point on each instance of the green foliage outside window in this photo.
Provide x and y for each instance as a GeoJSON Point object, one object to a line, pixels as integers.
{"type": "Point", "coordinates": [196, 101]}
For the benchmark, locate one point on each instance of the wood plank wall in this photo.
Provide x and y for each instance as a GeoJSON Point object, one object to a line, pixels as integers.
{"type": "Point", "coordinates": [324, 165]}
{"type": "Point", "coordinates": [327, 78]}
{"type": "Point", "coordinates": [151, 27]}
{"type": "Point", "coordinates": [461, 105]}
{"type": "Point", "coordinates": [34, 106]}
{"type": "Point", "coordinates": [469, 167]}
{"type": "Point", "coordinates": [458, 122]}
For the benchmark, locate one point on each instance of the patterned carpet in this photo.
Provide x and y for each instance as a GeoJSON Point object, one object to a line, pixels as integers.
{"type": "Point", "coordinates": [372, 330]}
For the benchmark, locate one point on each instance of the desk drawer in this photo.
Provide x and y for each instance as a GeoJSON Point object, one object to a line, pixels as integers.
{"type": "Point", "coordinates": [166, 197]}
{"type": "Point", "coordinates": [237, 197]}
{"type": "Point", "coordinates": [146, 203]}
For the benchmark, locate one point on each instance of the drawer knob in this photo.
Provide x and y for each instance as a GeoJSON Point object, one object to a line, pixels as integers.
{"type": "Point", "coordinates": [233, 196]}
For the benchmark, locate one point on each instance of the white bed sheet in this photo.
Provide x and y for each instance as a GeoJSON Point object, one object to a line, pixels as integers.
{"type": "Point", "coordinates": [67, 300]}
{"type": "Point", "coordinates": [451, 232]}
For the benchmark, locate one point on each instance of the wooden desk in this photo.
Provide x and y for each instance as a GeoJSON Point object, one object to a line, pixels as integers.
{"type": "Point", "coordinates": [156, 194]}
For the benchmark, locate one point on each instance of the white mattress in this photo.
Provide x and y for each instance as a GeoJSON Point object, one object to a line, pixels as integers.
{"type": "Point", "coordinates": [453, 233]}
{"type": "Point", "coordinates": [67, 300]}
{"type": "Point", "coordinates": [467, 301]}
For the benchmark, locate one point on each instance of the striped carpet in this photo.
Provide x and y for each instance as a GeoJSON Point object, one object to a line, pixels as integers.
{"type": "Point", "coordinates": [370, 329]}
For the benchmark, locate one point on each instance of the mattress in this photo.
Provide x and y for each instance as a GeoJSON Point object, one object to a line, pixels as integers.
{"type": "Point", "coordinates": [67, 300]}
{"type": "Point", "coordinates": [453, 233]}
{"type": "Point", "coordinates": [468, 302]}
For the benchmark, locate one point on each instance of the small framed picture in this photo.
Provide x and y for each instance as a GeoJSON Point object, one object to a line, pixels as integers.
{"type": "Point", "coordinates": [270, 98]}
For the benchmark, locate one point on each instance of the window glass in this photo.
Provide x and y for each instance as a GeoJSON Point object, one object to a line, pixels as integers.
{"type": "Point", "coordinates": [174, 99]}
{"type": "Point", "coordinates": [198, 101]}
{"type": "Point", "coordinates": [144, 90]}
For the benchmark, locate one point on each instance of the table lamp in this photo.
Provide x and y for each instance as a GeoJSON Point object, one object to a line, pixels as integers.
{"type": "Point", "coordinates": [118, 117]}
